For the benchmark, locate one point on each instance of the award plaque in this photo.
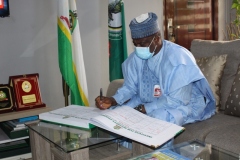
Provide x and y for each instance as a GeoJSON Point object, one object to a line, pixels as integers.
{"type": "Point", "coordinates": [6, 99]}
{"type": "Point", "coordinates": [27, 92]}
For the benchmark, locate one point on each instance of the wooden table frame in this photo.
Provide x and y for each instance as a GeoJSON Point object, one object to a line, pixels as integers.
{"type": "Point", "coordinates": [42, 149]}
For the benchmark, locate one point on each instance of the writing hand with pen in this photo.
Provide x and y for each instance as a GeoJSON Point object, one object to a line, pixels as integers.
{"type": "Point", "coordinates": [103, 102]}
{"type": "Point", "coordinates": [106, 102]}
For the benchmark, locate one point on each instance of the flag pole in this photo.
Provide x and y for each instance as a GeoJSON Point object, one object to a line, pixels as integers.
{"type": "Point", "coordinates": [66, 94]}
{"type": "Point", "coordinates": [65, 91]}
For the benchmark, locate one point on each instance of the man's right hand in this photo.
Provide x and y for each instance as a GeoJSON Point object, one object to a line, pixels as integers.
{"type": "Point", "coordinates": [105, 102]}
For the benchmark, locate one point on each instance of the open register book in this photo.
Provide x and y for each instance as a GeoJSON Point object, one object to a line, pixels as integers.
{"type": "Point", "coordinates": [73, 115]}
{"type": "Point", "coordinates": [124, 121]}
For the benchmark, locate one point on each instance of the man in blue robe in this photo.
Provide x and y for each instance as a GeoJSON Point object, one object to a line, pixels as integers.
{"type": "Point", "coordinates": [161, 79]}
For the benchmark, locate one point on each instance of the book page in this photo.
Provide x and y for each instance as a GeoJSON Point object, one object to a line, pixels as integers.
{"type": "Point", "coordinates": [132, 124]}
{"type": "Point", "coordinates": [72, 115]}
{"type": "Point", "coordinates": [78, 112]}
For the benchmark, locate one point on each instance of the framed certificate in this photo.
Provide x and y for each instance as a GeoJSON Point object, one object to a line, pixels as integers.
{"type": "Point", "coordinates": [7, 102]}
{"type": "Point", "coordinates": [27, 92]}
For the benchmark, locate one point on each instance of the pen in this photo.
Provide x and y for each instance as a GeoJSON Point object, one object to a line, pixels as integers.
{"type": "Point", "coordinates": [100, 93]}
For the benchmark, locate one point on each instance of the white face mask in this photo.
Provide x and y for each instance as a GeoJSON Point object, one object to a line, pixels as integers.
{"type": "Point", "coordinates": [144, 52]}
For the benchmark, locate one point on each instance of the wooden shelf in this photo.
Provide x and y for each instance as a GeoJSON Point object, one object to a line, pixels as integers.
{"type": "Point", "coordinates": [19, 157]}
{"type": "Point", "coordinates": [5, 139]}
{"type": "Point", "coordinates": [15, 115]}
{"type": "Point", "coordinates": [21, 114]}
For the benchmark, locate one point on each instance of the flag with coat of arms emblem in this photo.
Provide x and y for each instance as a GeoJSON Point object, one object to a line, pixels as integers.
{"type": "Point", "coordinates": [70, 54]}
{"type": "Point", "coordinates": [117, 38]}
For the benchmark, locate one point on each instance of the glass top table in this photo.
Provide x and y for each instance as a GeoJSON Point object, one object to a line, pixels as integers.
{"type": "Point", "coordinates": [191, 150]}
{"type": "Point", "coordinates": [70, 139]}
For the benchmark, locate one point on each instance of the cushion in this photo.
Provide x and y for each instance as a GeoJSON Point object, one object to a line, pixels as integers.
{"type": "Point", "coordinates": [233, 102]}
{"type": "Point", "coordinates": [200, 130]}
{"type": "Point", "coordinates": [212, 68]}
{"type": "Point", "coordinates": [206, 48]}
{"type": "Point", "coordinates": [226, 138]}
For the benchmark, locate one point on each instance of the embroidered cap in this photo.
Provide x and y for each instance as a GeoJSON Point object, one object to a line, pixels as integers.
{"type": "Point", "coordinates": [144, 25]}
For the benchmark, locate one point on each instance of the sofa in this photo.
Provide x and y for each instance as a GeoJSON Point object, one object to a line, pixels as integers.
{"type": "Point", "coordinates": [219, 62]}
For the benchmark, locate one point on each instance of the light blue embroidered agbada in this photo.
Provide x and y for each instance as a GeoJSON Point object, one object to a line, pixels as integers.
{"type": "Point", "coordinates": [186, 96]}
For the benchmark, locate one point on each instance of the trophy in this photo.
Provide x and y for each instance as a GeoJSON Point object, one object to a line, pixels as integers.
{"type": "Point", "coordinates": [27, 92]}
{"type": "Point", "coordinates": [7, 103]}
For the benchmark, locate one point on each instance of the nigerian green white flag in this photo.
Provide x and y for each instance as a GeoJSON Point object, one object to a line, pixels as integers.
{"type": "Point", "coordinates": [117, 38]}
{"type": "Point", "coordinates": [70, 54]}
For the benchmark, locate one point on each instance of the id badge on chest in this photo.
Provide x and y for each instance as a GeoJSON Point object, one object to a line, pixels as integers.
{"type": "Point", "coordinates": [157, 91]}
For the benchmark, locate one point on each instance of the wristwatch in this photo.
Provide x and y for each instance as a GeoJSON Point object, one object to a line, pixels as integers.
{"type": "Point", "coordinates": [139, 107]}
